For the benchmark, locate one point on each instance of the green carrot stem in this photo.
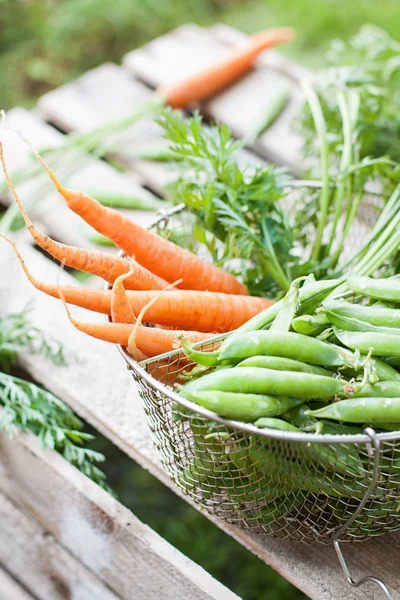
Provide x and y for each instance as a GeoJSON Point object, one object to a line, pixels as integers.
{"type": "Point", "coordinates": [320, 125]}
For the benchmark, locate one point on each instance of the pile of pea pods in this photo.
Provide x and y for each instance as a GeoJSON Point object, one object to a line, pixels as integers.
{"type": "Point", "coordinates": [323, 359]}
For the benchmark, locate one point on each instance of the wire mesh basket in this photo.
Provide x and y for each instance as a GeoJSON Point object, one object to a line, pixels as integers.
{"type": "Point", "coordinates": [304, 487]}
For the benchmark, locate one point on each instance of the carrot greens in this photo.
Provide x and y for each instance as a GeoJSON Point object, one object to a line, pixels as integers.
{"type": "Point", "coordinates": [26, 406]}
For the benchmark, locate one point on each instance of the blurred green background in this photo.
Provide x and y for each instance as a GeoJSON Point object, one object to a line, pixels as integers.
{"type": "Point", "coordinates": [44, 43]}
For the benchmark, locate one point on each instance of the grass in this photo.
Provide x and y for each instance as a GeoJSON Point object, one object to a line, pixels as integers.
{"type": "Point", "coordinates": [45, 43]}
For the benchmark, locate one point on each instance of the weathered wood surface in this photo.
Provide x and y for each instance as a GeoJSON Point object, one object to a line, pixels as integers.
{"type": "Point", "coordinates": [190, 48]}
{"type": "Point", "coordinates": [99, 388]}
{"type": "Point", "coordinates": [97, 549]}
{"type": "Point", "coordinates": [11, 589]}
{"type": "Point", "coordinates": [91, 176]}
{"type": "Point", "coordinates": [43, 566]}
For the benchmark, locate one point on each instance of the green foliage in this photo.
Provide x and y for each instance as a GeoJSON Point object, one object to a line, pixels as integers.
{"type": "Point", "coordinates": [46, 42]}
{"type": "Point", "coordinates": [29, 407]}
{"type": "Point", "coordinates": [237, 205]}
{"type": "Point", "coordinates": [366, 70]}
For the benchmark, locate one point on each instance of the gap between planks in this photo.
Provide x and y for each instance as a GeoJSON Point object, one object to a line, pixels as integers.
{"type": "Point", "coordinates": [99, 388]}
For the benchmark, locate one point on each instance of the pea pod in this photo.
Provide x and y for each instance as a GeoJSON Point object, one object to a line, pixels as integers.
{"type": "Point", "coordinates": [283, 364]}
{"type": "Point", "coordinates": [381, 344]}
{"type": "Point", "coordinates": [287, 345]}
{"type": "Point", "coordinates": [361, 410]}
{"type": "Point", "coordinates": [253, 380]}
{"type": "Point", "coordinates": [380, 389]}
{"type": "Point", "coordinates": [375, 315]}
{"type": "Point", "coordinates": [310, 324]}
{"type": "Point", "coordinates": [380, 289]}
{"type": "Point", "coordinates": [352, 324]}
{"type": "Point", "coordinates": [239, 406]}
{"type": "Point", "coordinates": [271, 423]}
{"type": "Point", "coordinates": [310, 296]}
{"type": "Point", "coordinates": [287, 312]}
{"type": "Point", "coordinates": [299, 417]}
{"type": "Point", "coordinates": [384, 371]}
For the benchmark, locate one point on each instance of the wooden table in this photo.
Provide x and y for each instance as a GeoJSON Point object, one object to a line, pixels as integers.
{"type": "Point", "coordinates": [61, 536]}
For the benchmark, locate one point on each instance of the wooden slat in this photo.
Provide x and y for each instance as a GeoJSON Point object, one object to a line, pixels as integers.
{"type": "Point", "coordinates": [123, 557]}
{"type": "Point", "coordinates": [67, 107]}
{"type": "Point", "coordinates": [11, 589]}
{"type": "Point", "coordinates": [98, 387]}
{"type": "Point", "coordinates": [40, 562]}
{"type": "Point", "coordinates": [190, 48]}
{"type": "Point", "coordinates": [92, 176]}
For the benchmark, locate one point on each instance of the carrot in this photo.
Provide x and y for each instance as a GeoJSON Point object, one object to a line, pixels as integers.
{"type": "Point", "coordinates": [211, 80]}
{"type": "Point", "coordinates": [160, 256]}
{"type": "Point", "coordinates": [103, 265]}
{"type": "Point", "coordinates": [183, 309]}
{"type": "Point", "coordinates": [121, 310]}
{"type": "Point", "coordinates": [149, 340]}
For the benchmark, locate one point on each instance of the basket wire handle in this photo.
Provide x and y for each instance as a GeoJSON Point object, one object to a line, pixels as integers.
{"type": "Point", "coordinates": [373, 447]}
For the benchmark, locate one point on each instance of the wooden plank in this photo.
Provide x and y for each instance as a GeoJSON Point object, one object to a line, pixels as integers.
{"type": "Point", "coordinates": [105, 93]}
{"type": "Point", "coordinates": [119, 552]}
{"type": "Point", "coordinates": [91, 176]}
{"type": "Point", "coordinates": [68, 106]}
{"type": "Point", "coordinates": [180, 53]}
{"type": "Point", "coordinates": [40, 562]}
{"type": "Point", "coordinates": [11, 589]}
{"type": "Point", "coordinates": [98, 387]}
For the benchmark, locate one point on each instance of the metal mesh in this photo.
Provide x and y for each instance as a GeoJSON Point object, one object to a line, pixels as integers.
{"type": "Point", "coordinates": [268, 482]}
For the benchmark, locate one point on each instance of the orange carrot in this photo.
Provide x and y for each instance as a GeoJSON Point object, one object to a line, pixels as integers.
{"type": "Point", "coordinates": [149, 340]}
{"type": "Point", "coordinates": [103, 265]}
{"type": "Point", "coordinates": [160, 256]}
{"type": "Point", "coordinates": [121, 310]}
{"type": "Point", "coordinates": [211, 80]}
{"type": "Point", "coordinates": [183, 309]}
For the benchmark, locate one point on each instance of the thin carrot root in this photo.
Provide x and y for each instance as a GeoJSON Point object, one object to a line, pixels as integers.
{"type": "Point", "coordinates": [121, 310]}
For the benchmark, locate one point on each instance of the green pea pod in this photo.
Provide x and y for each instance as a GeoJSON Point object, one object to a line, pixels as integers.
{"type": "Point", "coordinates": [351, 324]}
{"type": "Point", "coordinates": [380, 289]}
{"type": "Point", "coordinates": [361, 410]}
{"type": "Point", "coordinates": [388, 426]}
{"type": "Point", "coordinates": [375, 315]}
{"type": "Point", "coordinates": [239, 406]}
{"type": "Point", "coordinates": [310, 296]}
{"type": "Point", "coordinates": [147, 202]}
{"type": "Point", "coordinates": [310, 324]}
{"type": "Point", "coordinates": [287, 345]}
{"type": "Point", "coordinates": [380, 389]}
{"type": "Point", "coordinates": [207, 359]}
{"type": "Point", "coordinates": [287, 312]}
{"type": "Point", "coordinates": [381, 344]}
{"type": "Point", "coordinates": [393, 361]}
{"type": "Point", "coordinates": [281, 507]}
{"type": "Point", "coordinates": [271, 423]}
{"type": "Point", "coordinates": [254, 380]}
{"type": "Point", "coordinates": [300, 418]}
{"type": "Point", "coordinates": [277, 100]}
{"type": "Point", "coordinates": [385, 371]}
{"type": "Point", "coordinates": [283, 364]}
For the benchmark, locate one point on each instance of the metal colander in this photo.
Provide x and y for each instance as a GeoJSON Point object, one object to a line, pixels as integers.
{"type": "Point", "coordinates": [304, 487]}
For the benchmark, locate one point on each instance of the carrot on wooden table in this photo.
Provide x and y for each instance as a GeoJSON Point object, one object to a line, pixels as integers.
{"type": "Point", "coordinates": [213, 79]}
{"type": "Point", "coordinates": [104, 265]}
{"type": "Point", "coordinates": [160, 256]}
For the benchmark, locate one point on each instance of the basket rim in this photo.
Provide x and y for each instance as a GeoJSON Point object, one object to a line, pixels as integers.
{"type": "Point", "coordinates": [303, 437]}
{"type": "Point", "coordinates": [289, 436]}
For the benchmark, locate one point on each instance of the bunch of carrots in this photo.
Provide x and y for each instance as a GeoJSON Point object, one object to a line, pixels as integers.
{"type": "Point", "coordinates": [180, 293]}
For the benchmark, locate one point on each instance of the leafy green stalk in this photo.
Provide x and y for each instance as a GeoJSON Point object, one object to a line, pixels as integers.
{"type": "Point", "coordinates": [320, 126]}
